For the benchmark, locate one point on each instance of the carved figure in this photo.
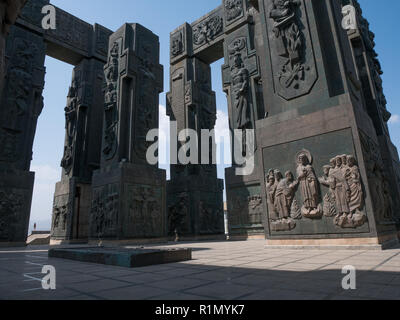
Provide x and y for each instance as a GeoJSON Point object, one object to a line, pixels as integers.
{"type": "Point", "coordinates": [282, 206]}
{"type": "Point", "coordinates": [309, 186]}
{"type": "Point", "coordinates": [289, 41]}
{"type": "Point", "coordinates": [345, 199]}
{"type": "Point", "coordinates": [234, 8]}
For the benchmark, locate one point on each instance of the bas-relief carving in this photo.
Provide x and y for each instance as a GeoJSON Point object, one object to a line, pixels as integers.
{"type": "Point", "coordinates": [60, 218]}
{"type": "Point", "coordinates": [207, 30]}
{"type": "Point", "coordinates": [345, 198]}
{"type": "Point", "coordinates": [105, 211]}
{"type": "Point", "coordinates": [344, 201]}
{"type": "Point", "coordinates": [245, 209]}
{"type": "Point", "coordinates": [11, 204]}
{"type": "Point", "coordinates": [147, 107]}
{"type": "Point", "coordinates": [240, 88]}
{"type": "Point", "coordinates": [72, 31]}
{"type": "Point", "coordinates": [178, 215]}
{"type": "Point", "coordinates": [210, 218]}
{"type": "Point", "coordinates": [240, 84]}
{"type": "Point", "coordinates": [9, 12]}
{"type": "Point", "coordinates": [282, 206]}
{"type": "Point", "coordinates": [32, 11]}
{"type": "Point", "coordinates": [290, 49]}
{"type": "Point", "coordinates": [71, 116]}
{"type": "Point", "coordinates": [308, 185]}
{"type": "Point", "coordinates": [233, 9]}
{"type": "Point", "coordinates": [111, 71]}
{"type": "Point", "coordinates": [378, 181]}
{"type": "Point", "coordinates": [17, 97]}
{"type": "Point", "coordinates": [177, 44]}
{"type": "Point", "coordinates": [374, 65]}
{"type": "Point", "coordinates": [145, 211]}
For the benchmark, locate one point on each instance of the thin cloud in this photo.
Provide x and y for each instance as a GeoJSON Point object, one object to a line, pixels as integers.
{"type": "Point", "coordinates": [394, 119]}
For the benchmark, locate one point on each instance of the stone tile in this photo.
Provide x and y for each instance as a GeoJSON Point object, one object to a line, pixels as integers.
{"type": "Point", "coordinates": [181, 272]}
{"type": "Point", "coordinates": [261, 265]}
{"type": "Point", "coordinates": [96, 285]}
{"type": "Point", "coordinates": [279, 294]}
{"type": "Point", "coordinates": [222, 275]}
{"type": "Point", "coordinates": [223, 290]}
{"type": "Point", "coordinates": [138, 292]}
{"type": "Point", "coordinates": [142, 278]}
{"type": "Point", "coordinates": [77, 278]}
{"type": "Point", "coordinates": [179, 284]}
{"type": "Point", "coordinates": [179, 296]}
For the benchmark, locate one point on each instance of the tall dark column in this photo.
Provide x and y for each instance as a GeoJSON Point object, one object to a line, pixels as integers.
{"type": "Point", "coordinates": [195, 202]}
{"type": "Point", "coordinates": [21, 105]}
{"type": "Point", "coordinates": [241, 78]}
{"type": "Point", "coordinates": [9, 11]}
{"type": "Point", "coordinates": [322, 167]}
{"type": "Point", "coordinates": [128, 195]}
{"type": "Point", "coordinates": [84, 123]}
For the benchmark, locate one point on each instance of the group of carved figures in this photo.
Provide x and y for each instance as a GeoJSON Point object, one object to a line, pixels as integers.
{"type": "Point", "coordinates": [344, 201]}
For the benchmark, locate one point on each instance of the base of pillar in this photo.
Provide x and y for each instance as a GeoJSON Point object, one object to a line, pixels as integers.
{"type": "Point", "coordinates": [12, 244]}
{"type": "Point", "coordinates": [378, 243]}
{"type": "Point", "coordinates": [245, 237]}
{"type": "Point", "coordinates": [135, 198]}
{"type": "Point", "coordinates": [54, 242]}
{"type": "Point", "coordinates": [200, 238]}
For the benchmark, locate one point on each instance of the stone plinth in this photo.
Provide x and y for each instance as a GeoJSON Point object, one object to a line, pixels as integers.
{"type": "Point", "coordinates": [128, 202]}
{"type": "Point", "coordinates": [129, 258]}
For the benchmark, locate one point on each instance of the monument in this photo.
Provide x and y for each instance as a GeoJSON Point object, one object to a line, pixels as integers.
{"type": "Point", "coordinates": [326, 169]}
{"type": "Point", "coordinates": [128, 194]}
{"type": "Point", "coordinates": [309, 87]}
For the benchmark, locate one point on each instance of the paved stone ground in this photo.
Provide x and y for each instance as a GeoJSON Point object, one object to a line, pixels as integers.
{"type": "Point", "coordinates": [219, 271]}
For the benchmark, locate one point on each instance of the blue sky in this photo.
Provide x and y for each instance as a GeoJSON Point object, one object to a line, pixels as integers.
{"type": "Point", "coordinates": [163, 16]}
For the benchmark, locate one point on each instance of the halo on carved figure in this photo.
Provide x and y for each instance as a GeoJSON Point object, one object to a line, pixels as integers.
{"type": "Point", "coordinates": [305, 153]}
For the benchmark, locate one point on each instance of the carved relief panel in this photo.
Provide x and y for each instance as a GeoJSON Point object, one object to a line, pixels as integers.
{"type": "Point", "coordinates": [12, 206]}
{"type": "Point", "coordinates": [105, 211]}
{"type": "Point", "coordinates": [111, 103]}
{"type": "Point", "coordinates": [145, 218]}
{"type": "Point", "coordinates": [378, 181]}
{"type": "Point", "coordinates": [292, 56]}
{"type": "Point", "coordinates": [343, 202]}
{"type": "Point", "coordinates": [61, 220]}
{"type": "Point", "coordinates": [245, 207]}
{"type": "Point", "coordinates": [234, 10]}
{"type": "Point", "coordinates": [208, 29]}
{"type": "Point", "coordinates": [320, 191]}
{"type": "Point", "coordinates": [21, 99]}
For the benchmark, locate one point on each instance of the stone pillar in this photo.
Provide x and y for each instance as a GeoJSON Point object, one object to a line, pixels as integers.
{"type": "Point", "coordinates": [241, 79]}
{"type": "Point", "coordinates": [84, 123]}
{"type": "Point", "coordinates": [9, 11]}
{"type": "Point", "coordinates": [195, 199]}
{"type": "Point", "coordinates": [369, 73]}
{"type": "Point", "coordinates": [128, 194]}
{"type": "Point", "coordinates": [195, 204]}
{"type": "Point", "coordinates": [21, 105]}
{"type": "Point", "coordinates": [318, 149]}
